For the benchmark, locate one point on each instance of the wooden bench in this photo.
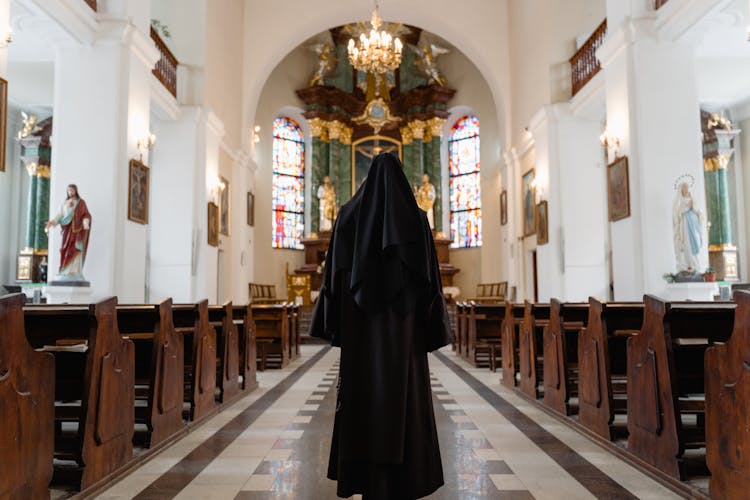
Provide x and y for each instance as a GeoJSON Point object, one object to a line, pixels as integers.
{"type": "Point", "coordinates": [263, 294]}
{"type": "Point", "coordinates": [560, 353]}
{"type": "Point", "coordinates": [462, 325]}
{"type": "Point", "coordinates": [27, 408]}
{"type": "Point", "coordinates": [243, 320]}
{"type": "Point", "coordinates": [271, 333]}
{"type": "Point", "coordinates": [484, 332]}
{"type": "Point", "coordinates": [221, 318]}
{"type": "Point", "coordinates": [159, 369]}
{"type": "Point", "coordinates": [530, 339]}
{"type": "Point", "coordinates": [666, 405]}
{"type": "Point", "coordinates": [293, 317]}
{"type": "Point", "coordinates": [199, 340]}
{"type": "Point", "coordinates": [509, 342]}
{"type": "Point", "coordinates": [602, 365]}
{"type": "Point", "coordinates": [94, 389]}
{"type": "Point", "coordinates": [491, 292]}
{"type": "Point", "coordinates": [728, 408]}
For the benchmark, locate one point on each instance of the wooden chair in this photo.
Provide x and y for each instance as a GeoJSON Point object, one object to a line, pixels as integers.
{"type": "Point", "coordinates": [728, 408]}
{"type": "Point", "coordinates": [484, 332]}
{"type": "Point", "coordinates": [298, 288]}
{"type": "Point", "coordinates": [263, 294]}
{"type": "Point", "coordinates": [271, 333]}
{"type": "Point", "coordinates": [491, 292]}
{"type": "Point", "coordinates": [27, 408]}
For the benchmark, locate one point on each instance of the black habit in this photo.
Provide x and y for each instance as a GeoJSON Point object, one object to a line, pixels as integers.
{"type": "Point", "coordinates": [382, 303]}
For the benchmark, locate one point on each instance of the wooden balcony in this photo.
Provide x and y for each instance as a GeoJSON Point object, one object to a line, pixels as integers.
{"type": "Point", "coordinates": [166, 67]}
{"type": "Point", "coordinates": [91, 3]}
{"type": "Point", "coordinates": [660, 3]}
{"type": "Point", "coordinates": [584, 65]}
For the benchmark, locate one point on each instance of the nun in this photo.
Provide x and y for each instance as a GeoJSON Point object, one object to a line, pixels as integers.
{"type": "Point", "coordinates": [382, 304]}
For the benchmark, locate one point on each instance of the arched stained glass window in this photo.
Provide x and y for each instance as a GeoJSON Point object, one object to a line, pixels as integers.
{"type": "Point", "coordinates": [465, 191]}
{"type": "Point", "coordinates": [288, 184]}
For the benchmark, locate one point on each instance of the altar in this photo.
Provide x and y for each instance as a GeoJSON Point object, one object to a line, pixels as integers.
{"type": "Point", "coordinates": [316, 246]}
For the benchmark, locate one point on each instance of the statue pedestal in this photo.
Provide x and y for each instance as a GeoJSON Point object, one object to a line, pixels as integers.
{"type": "Point", "coordinates": [699, 292]}
{"type": "Point", "coordinates": [69, 292]}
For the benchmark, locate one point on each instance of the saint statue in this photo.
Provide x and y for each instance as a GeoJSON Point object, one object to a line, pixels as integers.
{"type": "Point", "coordinates": [426, 199]}
{"type": "Point", "coordinates": [327, 204]}
{"type": "Point", "coordinates": [326, 62]}
{"type": "Point", "coordinates": [688, 231]}
{"type": "Point", "coordinates": [75, 222]}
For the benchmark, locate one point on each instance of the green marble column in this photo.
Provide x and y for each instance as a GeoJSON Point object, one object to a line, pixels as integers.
{"type": "Point", "coordinates": [341, 182]}
{"type": "Point", "coordinates": [31, 211]}
{"type": "Point", "coordinates": [432, 167]}
{"type": "Point", "coordinates": [319, 168]}
{"type": "Point", "coordinates": [41, 212]}
{"type": "Point", "coordinates": [717, 205]}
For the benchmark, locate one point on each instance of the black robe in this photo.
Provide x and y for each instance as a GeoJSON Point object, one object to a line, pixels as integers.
{"type": "Point", "coordinates": [382, 303]}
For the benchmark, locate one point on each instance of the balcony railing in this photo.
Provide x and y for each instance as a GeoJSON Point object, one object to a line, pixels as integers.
{"type": "Point", "coordinates": [166, 68]}
{"type": "Point", "coordinates": [660, 3]}
{"type": "Point", "coordinates": [91, 3]}
{"type": "Point", "coordinates": [584, 65]}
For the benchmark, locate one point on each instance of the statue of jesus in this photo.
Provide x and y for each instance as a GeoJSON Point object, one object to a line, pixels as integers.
{"type": "Point", "coordinates": [426, 199]}
{"type": "Point", "coordinates": [75, 222]}
{"type": "Point", "coordinates": [327, 198]}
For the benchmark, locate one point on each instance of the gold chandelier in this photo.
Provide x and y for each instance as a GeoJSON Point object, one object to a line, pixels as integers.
{"type": "Point", "coordinates": [379, 52]}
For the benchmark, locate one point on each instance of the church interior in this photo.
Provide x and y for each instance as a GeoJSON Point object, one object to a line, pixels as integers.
{"type": "Point", "coordinates": [171, 172]}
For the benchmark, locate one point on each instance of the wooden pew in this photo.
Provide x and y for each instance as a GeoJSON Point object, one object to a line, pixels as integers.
{"type": "Point", "coordinates": [530, 338]}
{"type": "Point", "coordinates": [462, 318]}
{"type": "Point", "coordinates": [293, 318]}
{"type": "Point", "coordinates": [159, 368]}
{"type": "Point", "coordinates": [509, 342]}
{"type": "Point", "coordinates": [271, 332]}
{"type": "Point", "coordinates": [666, 379]}
{"type": "Point", "coordinates": [102, 378]}
{"type": "Point", "coordinates": [560, 353]}
{"type": "Point", "coordinates": [199, 340]}
{"type": "Point", "coordinates": [602, 366]}
{"type": "Point", "coordinates": [728, 408]}
{"type": "Point", "coordinates": [484, 331]}
{"type": "Point", "coordinates": [227, 351]}
{"type": "Point", "coordinates": [243, 320]}
{"type": "Point", "coordinates": [27, 408]}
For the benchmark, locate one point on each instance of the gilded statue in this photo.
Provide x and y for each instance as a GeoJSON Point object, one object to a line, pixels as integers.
{"type": "Point", "coordinates": [327, 205]}
{"type": "Point", "coordinates": [427, 53]}
{"type": "Point", "coordinates": [426, 199]}
{"type": "Point", "coordinates": [29, 125]}
{"type": "Point", "coordinates": [326, 62]}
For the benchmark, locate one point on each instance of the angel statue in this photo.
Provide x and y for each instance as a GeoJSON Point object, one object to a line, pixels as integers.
{"type": "Point", "coordinates": [326, 62]}
{"type": "Point", "coordinates": [29, 125]}
{"type": "Point", "coordinates": [427, 54]}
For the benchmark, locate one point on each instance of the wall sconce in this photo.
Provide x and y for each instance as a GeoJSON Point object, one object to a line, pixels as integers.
{"type": "Point", "coordinates": [218, 187]}
{"type": "Point", "coordinates": [7, 40]}
{"type": "Point", "coordinates": [610, 141]}
{"type": "Point", "coordinates": [145, 143]}
{"type": "Point", "coordinates": [256, 134]}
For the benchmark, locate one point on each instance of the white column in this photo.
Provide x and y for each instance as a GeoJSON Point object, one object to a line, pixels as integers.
{"type": "Point", "coordinates": [652, 107]}
{"type": "Point", "coordinates": [102, 101]}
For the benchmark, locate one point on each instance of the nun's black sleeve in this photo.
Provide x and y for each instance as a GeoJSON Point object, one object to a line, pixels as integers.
{"type": "Point", "coordinates": [324, 322]}
{"type": "Point", "coordinates": [438, 323]}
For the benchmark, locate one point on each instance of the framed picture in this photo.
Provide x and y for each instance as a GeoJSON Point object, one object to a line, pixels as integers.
{"type": "Point", "coordinates": [250, 209]}
{"type": "Point", "coordinates": [224, 207]}
{"type": "Point", "coordinates": [138, 184]}
{"type": "Point", "coordinates": [3, 120]}
{"type": "Point", "coordinates": [528, 198]}
{"type": "Point", "coordinates": [618, 189]}
{"type": "Point", "coordinates": [213, 224]}
{"type": "Point", "coordinates": [542, 223]}
{"type": "Point", "coordinates": [503, 207]}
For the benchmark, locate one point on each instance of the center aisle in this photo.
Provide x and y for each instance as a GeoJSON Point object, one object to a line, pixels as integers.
{"type": "Point", "coordinates": [274, 444]}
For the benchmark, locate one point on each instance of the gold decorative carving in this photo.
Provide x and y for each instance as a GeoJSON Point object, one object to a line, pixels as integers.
{"type": "Point", "coordinates": [417, 128]}
{"type": "Point", "coordinates": [36, 170]}
{"type": "Point", "coordinates": [407, 136]}
{"type": "Point", "coordinates": [340, 132]}
{"type": "Point", "coordinates": [716, 163]}
{"type": "Point", "coordinates": [435, 126]}
{"type": "Point", "coordinates": [319, 128]}
{"type": "Point", "coordinates": [378, 115]}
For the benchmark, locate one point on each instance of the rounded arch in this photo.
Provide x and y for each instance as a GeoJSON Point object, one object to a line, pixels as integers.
{"type": "Point", "coordinates": [478, 29]}
{"type": "Point", "coordinates": [298, 115]}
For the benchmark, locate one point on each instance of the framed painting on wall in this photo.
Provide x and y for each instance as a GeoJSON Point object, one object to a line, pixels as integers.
{"type": "Point", "coordinates": [138, 185]}
{"type": "Point", "coordinates": [3, 120]}
{"type": "Point", "coordinates": [618, 189]}
{"type": "Point", "coordinates": [224, 207]}
{"type": "Point", "coordinates": [528, 198]}
{"type": "Point", "coordinates": [542, 223]}
{"type": "Point", "coordinates": [503, 207]}
{"type": "Point", "coordinates": [250, 209]}
{"type": "Point", "coordinates": [213, 224]}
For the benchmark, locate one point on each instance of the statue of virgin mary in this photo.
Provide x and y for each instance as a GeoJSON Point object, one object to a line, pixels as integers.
{"type": "Point", "coordinates": [688, 231]}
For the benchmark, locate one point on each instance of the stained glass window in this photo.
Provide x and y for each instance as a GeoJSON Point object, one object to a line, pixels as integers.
{"type": "Point", "coordinates": [465, 191]}
{"type": "Point", "coordinates": [288, 184]}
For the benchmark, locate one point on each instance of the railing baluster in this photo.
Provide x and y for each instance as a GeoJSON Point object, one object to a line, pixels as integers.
{"type": "Point", "coordinates": [584, 65]}
{"type": "Point", "coordinates": [166, 68]}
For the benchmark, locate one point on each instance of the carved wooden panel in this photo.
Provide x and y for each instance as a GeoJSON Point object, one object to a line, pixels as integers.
{"type": "Point", "coordinates": [27, 408]}
{"type": "Point", "coordinates": [728, 407]}
{"type": "Point", "coordinates": [230, 352]}
{"type": "Point", "coordinates": [527, 350]}
{"type": "Point", "coordinates": [249, 351]}
{"type": "Point", "coordinates": [594, 383]}
{"type": "Point", "coordinates": [555, 362]}
{"type": "Point", "coordinates": [204, 364]}
{"type": "Point", "coordinates": [508, 347]}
